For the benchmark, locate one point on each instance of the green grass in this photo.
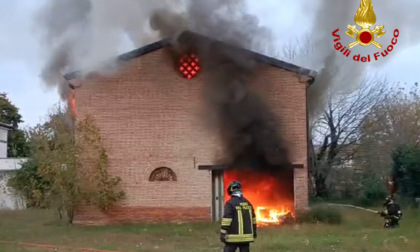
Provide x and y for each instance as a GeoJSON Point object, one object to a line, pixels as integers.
{"type": "Point", "coordinates": [359, 231]}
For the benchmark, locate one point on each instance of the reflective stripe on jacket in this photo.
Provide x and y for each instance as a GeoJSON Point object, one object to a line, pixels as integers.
{"type": "Point", "coordinates": [239, 221]}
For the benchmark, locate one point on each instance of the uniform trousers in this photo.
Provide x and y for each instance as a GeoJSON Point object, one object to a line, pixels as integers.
{"type": "Point", "coordinates": [231, 247]}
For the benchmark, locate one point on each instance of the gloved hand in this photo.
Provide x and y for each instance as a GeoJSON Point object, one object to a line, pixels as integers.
{"type": "Point", "coordinates": [223, 237]}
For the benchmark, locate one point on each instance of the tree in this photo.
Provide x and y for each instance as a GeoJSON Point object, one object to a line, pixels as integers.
{"type": "Point", "coordinates": [391, 132]}
{"type": "Point", "coordinates": [32, 186]}
{"type": "Point", "coordinates": [98, 186]}
{"type": "Point", "coordinates": [16, 141]}
{"type": "Point", "coordinates": [406, 170]}
{"type": "Point", "coordinates": [67, 170]}
{"type": "Point", "coordinates": [336, 133]}
{"type": "Point", "coordinates": [394, 123]}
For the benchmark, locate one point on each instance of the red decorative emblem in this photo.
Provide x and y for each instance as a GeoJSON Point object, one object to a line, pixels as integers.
{"type": "Point", "coordinates": [189, 66]}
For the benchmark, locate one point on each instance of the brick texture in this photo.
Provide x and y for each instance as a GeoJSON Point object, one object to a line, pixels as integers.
{"type": "Point", "coordinates": [151, 117]}
{"type": "Point", "coordinates": [89, 216]}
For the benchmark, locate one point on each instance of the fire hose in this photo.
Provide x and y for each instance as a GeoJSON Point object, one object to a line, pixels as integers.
{"type": "Point", "coordinates": [392, 189]}
{"type": "Point", "coordinates": [353, 206]}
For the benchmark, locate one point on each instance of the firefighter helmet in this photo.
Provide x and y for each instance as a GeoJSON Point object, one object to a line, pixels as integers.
{"type": "Point", "coordinates": [388, 200]}
{"type": "Point", "coordinates": [234, 186]}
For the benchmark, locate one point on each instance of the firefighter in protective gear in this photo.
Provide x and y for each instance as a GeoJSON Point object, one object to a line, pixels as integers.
{"type": "Point", "coordinates": [392, 213]}
{"type": "Point", "coordinates": [239, 225]}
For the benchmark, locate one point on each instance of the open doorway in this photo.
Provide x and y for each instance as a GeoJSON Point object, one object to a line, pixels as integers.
{"type": "Point", "coordinates": [271, 194]}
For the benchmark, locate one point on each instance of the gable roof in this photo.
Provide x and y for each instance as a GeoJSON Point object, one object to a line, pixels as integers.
{"type": "Point", "coordinates": [168, 42]}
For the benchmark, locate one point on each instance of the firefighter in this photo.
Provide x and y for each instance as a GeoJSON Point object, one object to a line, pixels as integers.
{"type": "Point", "coordinates": [239, 225]}
{"type": "Point", "coordinates": [392, 213]}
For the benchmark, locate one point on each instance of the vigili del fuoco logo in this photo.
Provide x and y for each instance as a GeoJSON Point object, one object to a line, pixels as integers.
{"type": "Point", "coordinates": [365, 18]}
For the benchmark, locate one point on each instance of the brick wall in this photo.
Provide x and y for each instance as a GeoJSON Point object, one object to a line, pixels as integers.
{"type": "Point", "coordinates": [129, 214]}
{"type": "Point", "coordinates": [150, 117]}
{"type": "Point", "coordinates": [285, 92]}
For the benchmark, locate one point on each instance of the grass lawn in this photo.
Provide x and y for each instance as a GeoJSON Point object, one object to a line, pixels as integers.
{"type": "Point", "coordinates": [360, 231]}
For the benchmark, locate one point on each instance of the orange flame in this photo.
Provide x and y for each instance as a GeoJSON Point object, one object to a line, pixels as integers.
{"type": "Point", "coordinates": [72, 103]}
{"type": "Point", "coordinates": [272, 200]}
{"type": "Point", "coordinates": [365, 16]}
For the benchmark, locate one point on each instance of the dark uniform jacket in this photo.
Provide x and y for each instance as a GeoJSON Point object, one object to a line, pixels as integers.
{"type": "Point", "coordinates": [239, 224]}
{"type": "Point", "coordinates": [392, 210]}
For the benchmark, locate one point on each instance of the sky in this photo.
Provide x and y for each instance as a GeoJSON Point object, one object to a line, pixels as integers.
{"type": "Point", "coordinates": [21, 58]}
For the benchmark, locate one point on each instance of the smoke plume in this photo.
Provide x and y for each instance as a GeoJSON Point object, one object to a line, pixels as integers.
{"type": "Point", "coordinates": [82, 34]}
{"type": "Point", "coordinates": [248, 127]}
{"type": "Point", "coordinates": [338, 74]}
{"type": "Point", "coordinates": [79, 34]}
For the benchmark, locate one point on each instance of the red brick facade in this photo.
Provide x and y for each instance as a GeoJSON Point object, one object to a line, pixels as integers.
{"type": "Point", "coordinates": [151, 117]}
{"type": "Point", "coordinates": [130, 214]}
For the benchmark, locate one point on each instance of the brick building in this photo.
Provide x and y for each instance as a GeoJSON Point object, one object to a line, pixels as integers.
{"type": "Point", "coordinates": [149, 117]}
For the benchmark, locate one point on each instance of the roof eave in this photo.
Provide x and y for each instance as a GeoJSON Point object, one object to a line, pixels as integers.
{"type": "Point", "coordinates": [169, 42]}
{"type": "Point", "coordinates": [5, 125]}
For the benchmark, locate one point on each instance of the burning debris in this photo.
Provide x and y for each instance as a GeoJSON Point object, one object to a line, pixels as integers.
{"type": "Point", "coordinates": [271, 194]}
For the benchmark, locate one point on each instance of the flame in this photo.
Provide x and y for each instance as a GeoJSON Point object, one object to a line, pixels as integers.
{"type": "Point", "coordinates": [272, 216]}
{"type": "Point", "coordinates": [365, 16]}
{"type": "Point", "coordinates": [72, 102]}
{"type": "Point", "coordinates": [272, 200]}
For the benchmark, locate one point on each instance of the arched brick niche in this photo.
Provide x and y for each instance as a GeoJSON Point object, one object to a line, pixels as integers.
{"type": "Point", "coordinates": [162, 174]}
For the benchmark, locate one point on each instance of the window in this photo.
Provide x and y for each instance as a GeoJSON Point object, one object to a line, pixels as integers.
{"type": "Point", "coordinates": [162, 174]}
{"type": "Point", "coordinates": [189, 65]}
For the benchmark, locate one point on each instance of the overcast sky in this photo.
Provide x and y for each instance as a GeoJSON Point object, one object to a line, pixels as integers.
{"type": "Point", "coordinates": [20, 58]}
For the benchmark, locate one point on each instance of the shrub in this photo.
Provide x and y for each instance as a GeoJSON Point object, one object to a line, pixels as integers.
{"type": "Point", "coordinates": [31, 185]}
{"type": "Point", "coordinates": [67, 170]}
{"type": "Point", "coordinates": [406, 170]}
{"type": "Point", "coordinates": [321, 214]}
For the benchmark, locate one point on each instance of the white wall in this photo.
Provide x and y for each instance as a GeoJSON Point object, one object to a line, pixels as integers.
{"type": "Point", "coordinates": [3, 142]}
{"type": "Point", "coordinates": [8, 166]}
{"type": "Point", "coordinates": [3, 150]}
{"type": "Point", "coordinates": [8, 198]}
{"type": "Point", "coordinates": [3, 133]}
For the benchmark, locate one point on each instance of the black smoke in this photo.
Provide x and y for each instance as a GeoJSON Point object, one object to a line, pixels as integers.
{"type": "Point", "coordinates": [249, 130]}
{"type": "Point", "coordinates": [81, 33]}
